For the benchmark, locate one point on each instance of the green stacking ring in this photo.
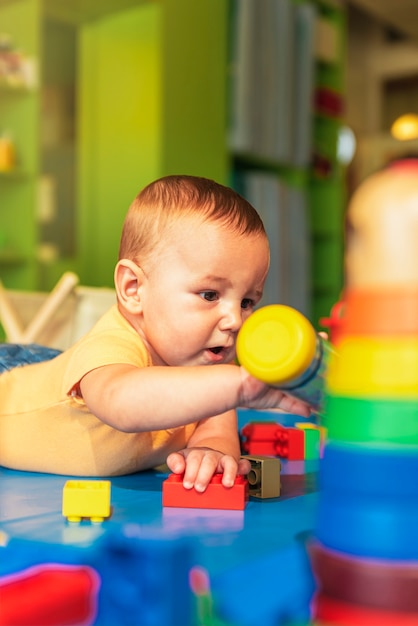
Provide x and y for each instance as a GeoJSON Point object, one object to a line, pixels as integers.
{"type": "Point", "coordinates": [364, 420]}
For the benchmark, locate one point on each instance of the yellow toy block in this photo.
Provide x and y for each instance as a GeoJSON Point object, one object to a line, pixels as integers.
{"type": "Point", "coordinates": [86, 498]}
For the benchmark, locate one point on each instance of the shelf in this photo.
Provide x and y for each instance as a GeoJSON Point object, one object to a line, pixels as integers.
{"type": "Point", "coordinates": [296, 175]}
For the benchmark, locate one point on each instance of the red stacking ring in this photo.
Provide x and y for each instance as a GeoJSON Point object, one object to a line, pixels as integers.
{"type": "Point", "coordinates": [380, 584]}
{"type": "Point", "coordinates": [327, 611]}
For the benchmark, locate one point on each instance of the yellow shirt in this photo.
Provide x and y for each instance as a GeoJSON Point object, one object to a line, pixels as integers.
{"type": "Point", "coordinates": [43, 428]}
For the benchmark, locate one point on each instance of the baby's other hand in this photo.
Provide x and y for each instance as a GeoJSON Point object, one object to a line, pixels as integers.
{"type": "Point", "coordinates": [200, 464]}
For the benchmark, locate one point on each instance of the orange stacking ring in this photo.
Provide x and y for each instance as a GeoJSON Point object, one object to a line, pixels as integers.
{"type": "Point", "coordinates": [389, 311]}
{"type": "Point", "coordinates": [384, 366]}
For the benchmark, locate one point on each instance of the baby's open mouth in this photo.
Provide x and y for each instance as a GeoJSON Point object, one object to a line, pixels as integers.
{"type": "Point", "coordinates": [216, 350]}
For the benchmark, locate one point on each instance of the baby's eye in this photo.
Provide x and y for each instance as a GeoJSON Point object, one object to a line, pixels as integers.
{"type": "Point", "coordinates": [210, 296]}
{"type": "Point", "coordinates": [247, 303]}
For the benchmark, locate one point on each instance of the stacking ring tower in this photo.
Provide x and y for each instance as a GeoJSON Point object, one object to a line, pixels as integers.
{"type": "Point", "coordinates": [365, 549]}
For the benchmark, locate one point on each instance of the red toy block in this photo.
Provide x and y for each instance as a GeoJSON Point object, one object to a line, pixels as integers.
{"type": "Point", "coordinates": [261, 431]}
{"type": "Point", "coordinates": [291, 444]}
{"type": "Point", "coordinates": [273, 439]}
{"type": "Point", "coordinates": [256, 448]}
{"type": "Point", "coordinates": [216, 496]}
{"type": "Point", "coordinates": [261, 438]}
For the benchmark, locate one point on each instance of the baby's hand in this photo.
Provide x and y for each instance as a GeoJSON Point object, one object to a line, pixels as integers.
{"type": "Point", "coordinates": [200, 464]}
{"type": "Point", "coordinates": [257, 395]}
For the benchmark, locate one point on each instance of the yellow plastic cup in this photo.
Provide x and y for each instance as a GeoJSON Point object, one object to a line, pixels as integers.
{"type": "Point", "coordinates": [278, 345]}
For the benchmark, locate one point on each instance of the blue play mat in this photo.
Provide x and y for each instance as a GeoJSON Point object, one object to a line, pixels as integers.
{"type": "Point", "coordinates": [255, 559]}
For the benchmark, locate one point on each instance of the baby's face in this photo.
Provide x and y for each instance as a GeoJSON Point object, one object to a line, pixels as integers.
{"type": "Point", "coordinates": [204, 282]}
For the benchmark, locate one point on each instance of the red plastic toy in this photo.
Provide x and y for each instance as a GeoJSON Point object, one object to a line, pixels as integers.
{"type": "Point", "coordinates": [273, 439]}
{"type": "Point", "coordinates": [334, 323]}
{"type": "Point", "coordinates": [261, 438]}
{"type": "Point", "coordinates": [49, 595]}
{"type": "Point", "coordinates": [335, 613]}
{"type": "Point", "coordinates": [291, 444]}
{"type": "Point", "coordinates": [216, 496]}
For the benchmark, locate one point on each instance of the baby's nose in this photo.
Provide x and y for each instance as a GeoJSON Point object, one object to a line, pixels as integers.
{"type": "Point", "coordinates": [232, 318]}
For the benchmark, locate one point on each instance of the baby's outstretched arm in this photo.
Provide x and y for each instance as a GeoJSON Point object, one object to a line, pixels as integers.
{"type": "Point", "coordinates": [156, 398]}
{"type": "Point", "coordinates": [134, 399]}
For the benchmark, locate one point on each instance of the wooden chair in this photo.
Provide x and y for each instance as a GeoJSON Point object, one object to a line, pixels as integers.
{"type": "Point", "coordinates": [56, 320]}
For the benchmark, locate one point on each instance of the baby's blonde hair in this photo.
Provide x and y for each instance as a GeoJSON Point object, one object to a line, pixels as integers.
{"type": "Point", "coordinates": [168, 199]}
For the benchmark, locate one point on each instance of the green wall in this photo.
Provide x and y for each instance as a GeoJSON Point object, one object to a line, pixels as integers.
{"type": "Point", "coordinates": [151, 99]}
{"type": "Point", "coordinates": [118, 134]}
{"type": "Point", "coordinates": [151, 102]}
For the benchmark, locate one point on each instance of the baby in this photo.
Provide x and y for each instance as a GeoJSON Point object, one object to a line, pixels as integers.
{"type": "Point", "coordinates": [155, 380]}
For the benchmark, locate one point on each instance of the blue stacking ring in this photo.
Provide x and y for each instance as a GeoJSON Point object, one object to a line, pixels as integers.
{"type": "Point", "coordinates": [368, 501]}
{"type": "Point", "coordinates": [367, 470]}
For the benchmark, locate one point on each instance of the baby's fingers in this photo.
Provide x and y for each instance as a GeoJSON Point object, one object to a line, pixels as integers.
{"type": "Point", "coordinates": [230, 470]}
{"type": "Point", "coordinates": [176, 462]}
{"type": "Point", "coordinates": [244, 467]}
{"type": "Point", "coordinates": [295, 406]}
{"type": "Point", "coordinates": [200, 467]}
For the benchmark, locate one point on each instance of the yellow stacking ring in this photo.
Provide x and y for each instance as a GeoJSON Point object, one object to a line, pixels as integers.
{"type": "Point", "coordinates": [385, 366]}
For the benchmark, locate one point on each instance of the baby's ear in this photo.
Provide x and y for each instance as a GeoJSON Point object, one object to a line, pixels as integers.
{"type": "Point", "coordinates": [128, 282]}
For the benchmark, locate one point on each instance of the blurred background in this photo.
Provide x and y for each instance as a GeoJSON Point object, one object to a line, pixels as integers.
{"type": "Point", "coordinates": [291, 102]}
